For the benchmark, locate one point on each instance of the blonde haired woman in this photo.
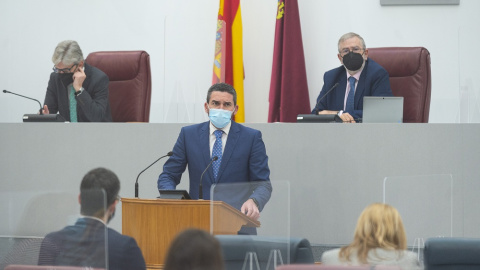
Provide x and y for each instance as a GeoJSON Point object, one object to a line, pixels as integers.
{"type": "Point", "coordinates": [379, 239]}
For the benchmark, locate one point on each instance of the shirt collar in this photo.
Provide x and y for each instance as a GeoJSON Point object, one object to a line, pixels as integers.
{"type": "Point", "coordinates": [95, 218]}
{"type": "Point", "coordinates": [226, 129]}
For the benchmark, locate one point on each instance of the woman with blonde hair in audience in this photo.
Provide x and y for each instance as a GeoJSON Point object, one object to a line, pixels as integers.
{"type": "Point", "coordinates": [379, 239]}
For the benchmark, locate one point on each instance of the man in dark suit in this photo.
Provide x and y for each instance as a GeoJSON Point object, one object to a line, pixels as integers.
{"type": "Point", "coordinates": [240, 174]}
{"type": "Point", "coordinates": [357, 77]}
{"type": "Point", "coordinates": [90, 243]}
{"type": "Point", "coordinates": [77, 91]}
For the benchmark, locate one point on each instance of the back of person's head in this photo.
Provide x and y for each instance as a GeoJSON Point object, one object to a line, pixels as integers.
{"type": "Point", "coordinates": [194, 249]}
{"type": "Point", "coordinates": [98, 190]}
{"type": "Point", "coordinates": [68, 52]}
{"type": "Point", "coordinates": [379, 226]}
{"type": "Point", "coordinates": [222, 87]}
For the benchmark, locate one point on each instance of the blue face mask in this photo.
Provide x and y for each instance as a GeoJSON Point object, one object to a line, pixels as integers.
{"type": "Point", "coordinates": [220, 118]}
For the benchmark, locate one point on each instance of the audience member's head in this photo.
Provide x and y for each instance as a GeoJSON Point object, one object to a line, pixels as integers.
{"type": "Point", "coordinates": [379, 226]}
{"type": "Point", "coordinates": [99, 193]}
{"type": "Point", "coordinates": [194, 249]}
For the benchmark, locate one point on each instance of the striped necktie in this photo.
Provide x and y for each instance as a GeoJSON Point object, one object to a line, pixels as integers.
{"type": "Point", "coordinates": [351, 96]}
{"type": "Point", "coordinates": [217, 151]}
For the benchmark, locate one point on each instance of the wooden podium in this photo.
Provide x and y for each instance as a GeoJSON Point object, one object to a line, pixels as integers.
{"type": "Point", "coordinates": [154, 223]}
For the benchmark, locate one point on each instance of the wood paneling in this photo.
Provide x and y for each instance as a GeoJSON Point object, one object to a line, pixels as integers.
{"type": "Point", "coordinates": [154, 223]}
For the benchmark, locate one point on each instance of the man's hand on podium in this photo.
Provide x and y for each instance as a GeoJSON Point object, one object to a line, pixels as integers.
{"type": "Point", "coordinates": [250, 209]}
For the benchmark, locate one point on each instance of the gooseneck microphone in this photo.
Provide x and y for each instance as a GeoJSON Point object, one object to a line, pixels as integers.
{"type": "Point", "coordinates": [8, 92]}
{"type": "Point", "coordinates": [136, 182]}
{"type": "Point", "coordinates": [200, 187]}
{"type": "Point", "coordinates": [318, 102]}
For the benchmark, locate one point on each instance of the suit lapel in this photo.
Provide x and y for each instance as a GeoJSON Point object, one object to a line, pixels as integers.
{"type": "Point", "coordinates": [229, 148]}
{"type": "Point", "coordinates": [361, 86]}
{"type": "Point", "coordinates": [205, 144]}
{"type": "Point", "coordinates": [340, 91]}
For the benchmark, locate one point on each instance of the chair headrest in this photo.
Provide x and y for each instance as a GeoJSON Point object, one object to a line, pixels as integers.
{"type": "Point", "coordinates": [399, 61]}
{"type": "Point", "coordinates": [118, 65]}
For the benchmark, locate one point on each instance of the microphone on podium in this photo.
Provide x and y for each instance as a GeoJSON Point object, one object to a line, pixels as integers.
{"type": "Point", "coordinates": [136, 182]}
{"type": "Point", "coordinates": [200, 187]}
{"type": "Point", "coordinates": [8, 92]}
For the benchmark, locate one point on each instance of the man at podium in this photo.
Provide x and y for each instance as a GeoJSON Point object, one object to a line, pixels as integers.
{"type": "Point", "coordinates": [221, 152]}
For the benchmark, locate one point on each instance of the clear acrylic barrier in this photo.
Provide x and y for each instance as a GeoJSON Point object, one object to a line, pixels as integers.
{"type": "Point", "coordinates": [271, 246]}
{"type": "Point", "coordinates": [30, 216]}
{"type": "Point", "coordinates": [188, 68]}
{"type": "Point", "coordinates": [469, 88]}
{"type": "Point", "coordinates": [425, 203]}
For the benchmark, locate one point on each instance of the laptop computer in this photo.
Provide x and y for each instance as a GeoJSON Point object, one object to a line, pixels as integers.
{"type": "Point", "coordinates": [382, 110]}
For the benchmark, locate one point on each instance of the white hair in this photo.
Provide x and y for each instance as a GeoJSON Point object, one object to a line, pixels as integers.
{"type": "Point", "coordinates": [349, 36]}
{"type": "Point", "coordinates": [68, 52]}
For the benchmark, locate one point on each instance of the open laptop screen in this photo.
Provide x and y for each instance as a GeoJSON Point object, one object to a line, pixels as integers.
{"type": "Point", "coordinates": [382, 110]}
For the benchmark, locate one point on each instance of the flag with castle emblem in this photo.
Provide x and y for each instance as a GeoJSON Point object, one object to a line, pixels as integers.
{"type": "Point", "coordinates": [288, 86]}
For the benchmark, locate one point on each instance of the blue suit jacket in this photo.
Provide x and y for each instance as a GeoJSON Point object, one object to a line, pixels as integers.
{"type": "Point", "coordinates": [244, 161]}
{"type": "Point", "coordinates": [374, 81]}
{"type": "Point", "coordinates": [83, 244]}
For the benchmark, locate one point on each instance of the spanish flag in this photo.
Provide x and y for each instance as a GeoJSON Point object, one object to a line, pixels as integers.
{"type": "Point", "coordinates": [228, 63]}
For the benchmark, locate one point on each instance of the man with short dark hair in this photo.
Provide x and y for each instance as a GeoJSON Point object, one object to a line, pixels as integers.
{"type": "Point", "coordinates": [358, 76]}
{"type": "Point", "coordinates": [76, 90]}
{"type": "Point", "coordinates": [241, 163]}
{"type": "Point", "coordinates": [90, 243]}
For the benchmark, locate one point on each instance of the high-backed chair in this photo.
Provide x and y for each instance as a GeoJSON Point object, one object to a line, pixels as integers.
{"type": "Point", "coordinates": [235, 248]}
{"type": "Point", "coordinates": [449, 253]}
{"type": "Point", "coordinates": [410, 77]}
{"type": "Point", "coordinates": [130, 83]}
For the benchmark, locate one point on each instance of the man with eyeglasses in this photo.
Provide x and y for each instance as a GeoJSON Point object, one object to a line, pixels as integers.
{"type": "Point", "coordinates": [76, 90]}
{"type": "Point", "coordinates": [344, 87]}
{"type": "Point", "coordinates": [232, 156]}
{"type": "Point", "coordinates": [89, 243]}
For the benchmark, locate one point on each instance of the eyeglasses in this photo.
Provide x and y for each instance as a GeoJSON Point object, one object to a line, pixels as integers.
{"type": "Point", "coordinates": [347, 50]}
{"type": "Point", "coordinates": [63, 70]}
{"type": "Point", "coordinates": [119, 198]}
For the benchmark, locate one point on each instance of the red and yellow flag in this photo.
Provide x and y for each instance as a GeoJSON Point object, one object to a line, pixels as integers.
{"type": "Point", "coordinates": [228, 63]}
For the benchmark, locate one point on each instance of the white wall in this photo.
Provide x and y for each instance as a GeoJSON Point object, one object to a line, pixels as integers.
{"type": "Point", "coordinates": [179, 36]}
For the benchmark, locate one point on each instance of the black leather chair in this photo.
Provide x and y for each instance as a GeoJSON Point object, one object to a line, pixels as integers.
{"type": "Point", "coordinates": [445, 253]}
{"type": "Point", "coordinates": [235, 248]}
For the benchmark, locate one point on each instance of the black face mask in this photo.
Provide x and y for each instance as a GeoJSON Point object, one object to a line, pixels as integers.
{"type": "Point", "coordinates": [66, 78]}
{"type": "Point", "coordinates": [353, 61]}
